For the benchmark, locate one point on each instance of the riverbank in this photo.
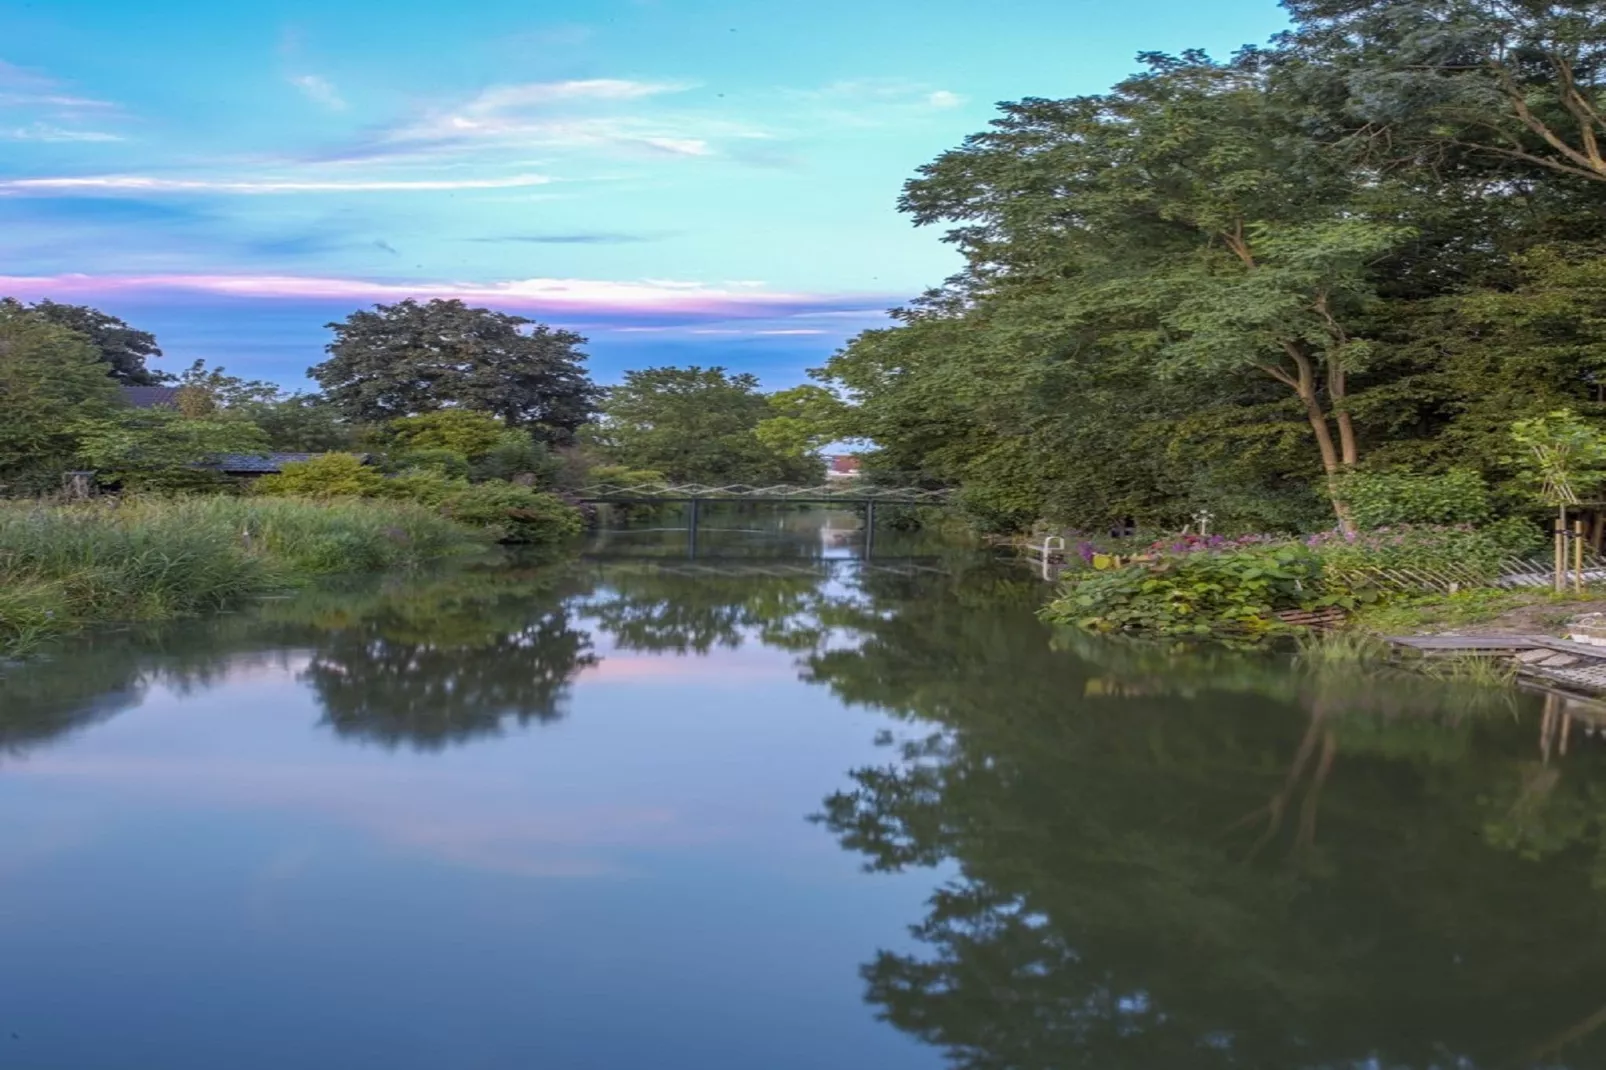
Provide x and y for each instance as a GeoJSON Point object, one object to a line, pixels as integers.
{"type": "Point", "coordinates": [64, 568]}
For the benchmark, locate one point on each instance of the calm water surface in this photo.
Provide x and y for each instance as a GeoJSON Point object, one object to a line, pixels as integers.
{"type": "Point", "coordinates": [776, 807]}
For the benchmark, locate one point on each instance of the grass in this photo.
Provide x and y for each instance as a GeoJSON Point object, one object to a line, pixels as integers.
{"type": "Point", "coordinates": [65, 567]}
{"type": "Point", "coordinates": [1419, 613]}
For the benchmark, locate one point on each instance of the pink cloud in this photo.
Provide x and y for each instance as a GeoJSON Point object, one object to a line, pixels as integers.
{"type": "Point", "coordinates": [655, 296]}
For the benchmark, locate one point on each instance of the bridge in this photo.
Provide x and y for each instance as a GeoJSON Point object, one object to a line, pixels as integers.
{"type": "Point", "coordinates": [693, 495]}
{"type": "Point", "coordinates": [825, 494]}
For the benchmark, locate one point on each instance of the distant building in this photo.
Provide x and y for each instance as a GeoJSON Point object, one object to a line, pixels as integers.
{"type": "Point", "coordinates": [151, 397]}
{"type": "Point", "coordinates": [842, 466]}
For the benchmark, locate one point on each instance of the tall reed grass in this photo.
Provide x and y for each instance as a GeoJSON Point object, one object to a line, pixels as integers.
{"type": "Point", "coordinates": [63, 567]}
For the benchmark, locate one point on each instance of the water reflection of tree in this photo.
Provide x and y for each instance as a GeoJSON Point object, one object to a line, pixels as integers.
{"type": "Point", "coordinates": [435, 664]}
{"type": "Point", "coordinates": [1274, 869]}
{"type": "Point", "coordinates": [654, 610]}
{"type": "Point", "coordinates": [424, 662]}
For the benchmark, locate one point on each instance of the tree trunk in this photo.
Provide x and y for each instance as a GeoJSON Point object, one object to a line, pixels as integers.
{"type": "Point", "coordinates": [1337, 396]}
{"type": "Point", "coordinates": [1334, 463]}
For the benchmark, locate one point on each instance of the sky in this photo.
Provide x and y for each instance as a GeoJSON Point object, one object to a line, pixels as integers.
{"type": "Point", "coordinates": [682, 182]}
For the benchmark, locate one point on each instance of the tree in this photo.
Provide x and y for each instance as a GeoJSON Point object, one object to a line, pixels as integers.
{"type": "Point", "coordinates": [696, 425]}
{"type": "Point", "coordinates": [121, 347]}
{"type": "Point", "coordinates": [295, 422]}
{"type": "Point", "coordinates": [49, 377]}
{"type": "Point", "coordinates": [1516, 82]}
{"type": "Point", "coordinates": [803, 421]}
{"type": "Point", "coordinates": [411, 358]}
{"type": "Point", "coordinates": [1192, 217]}
{"type": "Point", "coordinates": [155, 447]}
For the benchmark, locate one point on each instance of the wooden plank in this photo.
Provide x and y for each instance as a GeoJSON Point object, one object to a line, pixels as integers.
{"type": "Point", "coordinates": [1475, 642]}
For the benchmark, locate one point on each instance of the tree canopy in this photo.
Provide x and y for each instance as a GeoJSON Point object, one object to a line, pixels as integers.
{"type": "Point", "coordinates": [1229, 284]}
{"type": "Point", "coordinates": [122, 348]}
{"type": "Point", "coordinates": [412, 358]}
{"type": "Point", "coordinates": [703, 425]}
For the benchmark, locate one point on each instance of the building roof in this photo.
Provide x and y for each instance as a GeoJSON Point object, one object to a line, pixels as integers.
{"type": "Point", "coordinates": [258, 464]}
{"type": "Point", "coordinates": [845, 463]}
{"type": "Point", "coordinates": [151, 397]}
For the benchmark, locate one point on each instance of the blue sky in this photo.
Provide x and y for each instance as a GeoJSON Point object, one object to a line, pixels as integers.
{"type": "Point", "coordinates": [684, 182]}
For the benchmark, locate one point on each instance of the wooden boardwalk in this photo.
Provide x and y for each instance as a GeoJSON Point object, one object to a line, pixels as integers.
{"type": "Point", "coordinates": [1563, 663]}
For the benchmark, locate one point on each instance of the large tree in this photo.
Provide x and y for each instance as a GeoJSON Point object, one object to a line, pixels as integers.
{"type": "Point", "coordinates": [410, 358]}
{"type": "Point", "coordinates": [1441, 81]}
{"type": "Point", "coordinates": [123, 348]}
{"type": "Point", "coordinates": [49, 377]}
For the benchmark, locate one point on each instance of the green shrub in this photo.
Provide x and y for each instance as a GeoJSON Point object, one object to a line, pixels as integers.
{"type": "Point", "coordinates": [333, 475]}
{"type": "Point", "coordinates": [1471, 554]}
{"type": "Point", "coordinates": [421, 486]}
{"type": "Point", "coordinates": [1199, 594]}
{"type": "Point", "coordinates": [517, 455]}
{"type": "Point", "coordinates": [68, 565]}
{"type": "Point", "coordinates": [513, 514]}
{"type": "Point", "coordinates": [1518, 536]}
{"type": "Point", "coordinates": [1389, 499]}
{"type": "Point", "coordinates": [464, 432]}
{"type": "Point", "coordinates": [448, 463]}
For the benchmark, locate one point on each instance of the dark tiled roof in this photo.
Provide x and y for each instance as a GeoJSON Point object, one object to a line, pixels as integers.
{"type": "Point", "coordinates": [259, 464]}
{"type": "Point", "coordinates": [151, 397]}
{"type": "Point", "coordinates": [264, 463]}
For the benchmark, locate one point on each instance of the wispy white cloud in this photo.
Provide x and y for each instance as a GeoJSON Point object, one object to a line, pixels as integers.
{"type": "Point", "coordinates": [54, 100]}
{"type": "Point", "coordinates": [319, 90]}
{"type": "Point", "coordinates": [137, 184]}
{"type": "Point", "coordinates": [593, 113]}
{"type": "Point", "coordinates": [50, 132]}
{"type": "Point", "coordinates": [943, 98]}
{"type": "Point", "coordinates": [47, 109]}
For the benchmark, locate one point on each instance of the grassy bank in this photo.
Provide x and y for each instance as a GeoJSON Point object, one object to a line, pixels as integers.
{"type": "Point", "coordinates": [65, 567]}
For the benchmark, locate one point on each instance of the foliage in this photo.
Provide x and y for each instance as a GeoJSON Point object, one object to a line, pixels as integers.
{"type": "Point", "coordinates": [1463, 549]}
{"type": "Point", "coordinates": [1202, 594]}
{"type": "Point", "coordinates": [1230, 285]}
{"type": "Point", "coordinates": [518, 457]}
{"type": "Point", "coordinates": [66, 567]}
{"type": "Point", "coordinates": [49, 377]}
{"type": "Point", "coordinates": [803, 421]}
{"type": "Point", "coordinates": [149, 447]}
{"type": "Point", "coordinates": [447, 463]}
{"type": "Point", "coordinates": [122, 348]}
{"type": "Point", "coordinates": [513, 514]}
{"type": "Point", "coordinates": [421, 485]}
{"type": "Point", "coordinates": [1390, 498]}
{"type": "Point", "coordinates": [466, 433]}
{"type": "Point", "coordinates": [332, 475]}
{"type": "Point", "coordinates": [410, 359]}
{"type": "Point", "coordinates": [1563, 457]}
{"type": "Point", "coordinates": [697, 425]}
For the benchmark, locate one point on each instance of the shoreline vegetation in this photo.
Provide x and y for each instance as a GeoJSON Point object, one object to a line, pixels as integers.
{"type": "Point", "coordinates": [68, 567]}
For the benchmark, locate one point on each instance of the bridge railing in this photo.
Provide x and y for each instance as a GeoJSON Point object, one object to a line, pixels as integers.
{"type": "Point", "coordinates": [738, 492]}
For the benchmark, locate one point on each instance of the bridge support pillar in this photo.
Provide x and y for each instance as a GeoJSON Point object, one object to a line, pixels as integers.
{"type": "Point", "coordinates": [869, 528]}
{"type": "Point", "coordinates": [691, 526]}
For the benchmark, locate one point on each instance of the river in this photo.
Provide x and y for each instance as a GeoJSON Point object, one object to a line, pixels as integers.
{"type": "Point", "coordinates": [776, 807]}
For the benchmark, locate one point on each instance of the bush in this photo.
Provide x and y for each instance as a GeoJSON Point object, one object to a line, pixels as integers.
{"type": "Point", "coordinates": [517, 455]}
{"type": "Point", "coordinates": [1236, 593]}
{"type": "Point", "coordinates": [1466, 552]}
{"type": "Point", "coordinates": [64, 566]}
{"type": "Point", "coordinates": [513, 514]}
{"type": "Point", "coordinates": [464, 432]}
{"type": "Point", "coordinates": [333, 475]}
{"type": "Point", "coordinates": [1389, 499]}
{"type": "Point", "coordinates": [421, 486]}
{"type": "Point", "coordinates": [448, 463]}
